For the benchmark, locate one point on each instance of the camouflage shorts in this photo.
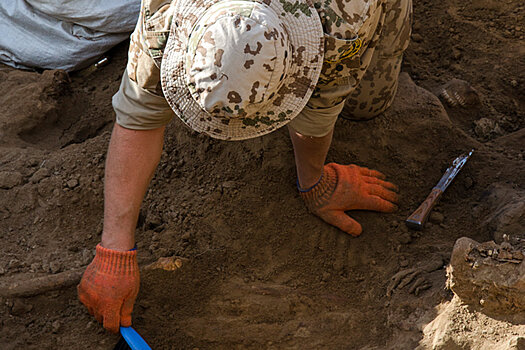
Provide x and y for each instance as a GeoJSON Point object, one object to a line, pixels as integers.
{"type": "Point", "coordinates": [364, 44]}
{"type": "Point", "coordinates": [364, 85]}
{"type": "Point", "coordinates": [377, 88]}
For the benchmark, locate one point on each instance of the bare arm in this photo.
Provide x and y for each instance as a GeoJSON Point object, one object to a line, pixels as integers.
{"type": "Point", "coordinates": [132, 158]}
{"type": "Point", "coordinates": [310, 155]}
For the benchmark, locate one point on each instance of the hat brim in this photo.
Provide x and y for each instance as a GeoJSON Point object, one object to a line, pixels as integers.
{"type": "Point", "coordinates": [306, 38]}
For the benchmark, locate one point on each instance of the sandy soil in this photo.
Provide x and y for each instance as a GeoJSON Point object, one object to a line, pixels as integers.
{"type": "Point", "coordinates": [258, 271]}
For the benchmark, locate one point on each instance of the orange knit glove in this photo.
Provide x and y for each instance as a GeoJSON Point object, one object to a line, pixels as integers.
{"type": "Point", "coordinates": [110, 286]}
{"type": "Point", "coordinates": [349, 187]}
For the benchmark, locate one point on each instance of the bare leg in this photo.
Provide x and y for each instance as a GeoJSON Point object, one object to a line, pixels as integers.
{"type": "Point", "coordinates": [132, 158]}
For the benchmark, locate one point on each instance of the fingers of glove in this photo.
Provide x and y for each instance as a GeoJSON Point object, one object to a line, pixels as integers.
{"type": "Point", "coordinates": [384, 193]}
{"type": "Point", "coordinates": [91, 310]}
{"type": "Point", "coordinates": [385, 184]}
{"type": "Point", "coordinates": [98, 316]}
{"type": "Point", "coordinates": [344, 222]}
{"type": "Point", "coordinates": [112, 319]}
{"type": "Point", "coordinates": [125, 312]}
{"type": "Point", "coordinates": [376, 203]}
{"type": "Point", "coordinates": [372, 173]}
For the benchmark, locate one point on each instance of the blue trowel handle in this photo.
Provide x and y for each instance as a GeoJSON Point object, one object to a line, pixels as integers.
{"type": "Point", "coordinates": [133, 339]}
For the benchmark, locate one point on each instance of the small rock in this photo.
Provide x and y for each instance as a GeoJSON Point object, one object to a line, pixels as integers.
{"type": "Point", "coordinates": [35, 267]}
{"type": "Point", "coordinates": [19, 308]}
{"type": "Point", "coordinates": [326, 276]}
{"type": "Point", "coordinates": [87, 256]}
{"type": "Point", "coordinates": [72, 183]}
{"type": "Point", "coordinates": [10, 179]}
{"type": "Point", "coordinates": [436, 217]}
{"type": "Point", "coordinates": [302, 332]}
{"type": "Point", "coordinates": [514, 83]}
{"type": "Point", "coordinates": [55, 267]}
{"type": "Point", "coordinates": [39, 175]}
{"type": "Point", "coordinates": [2, 271]}
{"type": "Point", "coordinates": [13, 264]}
{"type": "Point", "coordinates": [229, 184]}
{"type": "Point", "coordinates": [55, 326]}
{"type": "Point", "coordinates": [403, 262]}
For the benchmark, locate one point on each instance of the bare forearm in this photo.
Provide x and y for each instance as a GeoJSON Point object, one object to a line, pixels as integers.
{"type": "Point", "coordinates": [132, 158]}
{"type": "Point", "coordinates": [310, 156]}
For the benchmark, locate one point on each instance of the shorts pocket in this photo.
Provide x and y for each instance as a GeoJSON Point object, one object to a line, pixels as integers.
{"type": "Point", "coordinates": [156, 42]}
{"type": "Point", "coordinates": [341, 60]}
{"type": "Point", "coordinates": [157, 30]}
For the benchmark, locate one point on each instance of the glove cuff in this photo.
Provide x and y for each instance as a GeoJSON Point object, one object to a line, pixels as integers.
{"type": "Point", "coordinates": [320, 193]}
{"type": "Point", "coordinates": [114, 262]}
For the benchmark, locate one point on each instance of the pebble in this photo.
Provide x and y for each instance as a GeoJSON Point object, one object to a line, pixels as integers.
{"type": "Point", "coordinates": [229, 184]}
{"type": "Point", "coordinates": [10, 179]}
{"type": "Point", "coordinates": [86, 256]}
{"type": "Point", "coordinates": [326, 276]}
{"type": "Point", "coordinates": [72, 183]}
{"type": "Point", "coordinates": [39, 175]}
{"type": "Point", "coordinates": [436, 217]}
{"type": "Point", "coordinates": [13, 264]}
{"type": "Point", "coordinates": [35, 267]}
{"type": "Point", "coordinates": [55, 326]}
{"type": "Point", "coordinates": [55, 267]}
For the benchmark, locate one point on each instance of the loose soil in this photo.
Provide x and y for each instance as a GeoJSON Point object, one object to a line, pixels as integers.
{"type": "Point", "coordinates": [259, 271]}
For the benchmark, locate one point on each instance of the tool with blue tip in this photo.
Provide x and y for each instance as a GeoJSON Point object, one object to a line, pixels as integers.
{"type": "Point", "coordinates": [131, 340]}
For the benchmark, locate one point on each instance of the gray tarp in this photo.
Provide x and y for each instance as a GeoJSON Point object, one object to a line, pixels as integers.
{"type": "Point", "coordinates": [62, 34]}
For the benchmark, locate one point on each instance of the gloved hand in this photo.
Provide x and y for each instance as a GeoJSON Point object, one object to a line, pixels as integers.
{"type": "Point", "coordinates": [349, 187]}
{"type": "Point", "coordinates": [110, 286]}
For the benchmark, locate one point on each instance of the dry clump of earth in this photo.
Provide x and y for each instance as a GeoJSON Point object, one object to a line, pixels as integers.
{"type": "Point", "coordinates": [235, 260]}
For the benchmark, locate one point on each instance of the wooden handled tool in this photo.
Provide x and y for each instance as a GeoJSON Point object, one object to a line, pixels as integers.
{"type": "Point", "coordinates": [419, 217]}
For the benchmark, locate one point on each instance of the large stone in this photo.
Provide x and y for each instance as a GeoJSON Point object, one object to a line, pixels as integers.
{"type": "Point", "coordinates": [489, 275]}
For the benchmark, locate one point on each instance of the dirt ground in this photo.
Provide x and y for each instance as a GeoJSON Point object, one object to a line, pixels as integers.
{"type": "Point", "coordinates": [258, 271]}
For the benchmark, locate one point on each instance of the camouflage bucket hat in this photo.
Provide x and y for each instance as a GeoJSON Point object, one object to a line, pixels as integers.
{"type": "Point", "coordinates": [237, 69]}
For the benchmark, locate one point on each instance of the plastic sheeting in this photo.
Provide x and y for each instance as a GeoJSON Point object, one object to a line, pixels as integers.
{"type": "Point", "coordinates": [62, 34]}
